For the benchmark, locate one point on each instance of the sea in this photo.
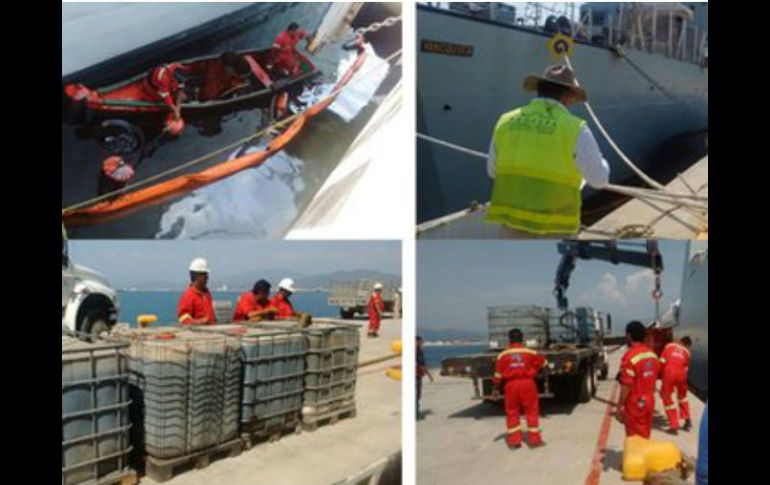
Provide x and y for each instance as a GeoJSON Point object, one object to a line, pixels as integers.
{"type": "Point", "coordinates": [434, 354]}
{"type": "Point", "coordinates": [163, 304]}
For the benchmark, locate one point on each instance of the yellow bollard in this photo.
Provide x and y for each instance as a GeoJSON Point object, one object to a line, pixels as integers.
{"type": "Point", "coordinates": [144, 321]}
{"type": "Point", "coordinates": [642, 456]}
{"type": "Point", "coordinates": [396, 346]}
{"type": "Point", "coordinates": [394, 372]}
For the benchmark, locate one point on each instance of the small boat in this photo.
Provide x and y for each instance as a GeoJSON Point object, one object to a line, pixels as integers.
{"type": "Point", "coordinates": [210, 89]}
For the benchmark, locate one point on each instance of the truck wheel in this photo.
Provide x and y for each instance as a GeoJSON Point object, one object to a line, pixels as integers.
{"type": "Point", "coordinates": [94, 324]}
{"type": "Point", "coordinates": [583, 386]}
{"type": "Point", "coordinates": [593, 381]}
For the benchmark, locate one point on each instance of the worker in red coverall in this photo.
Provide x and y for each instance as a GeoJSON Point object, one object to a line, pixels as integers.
{"type": "Point", "coordinates": [285, 50]}
{"type": "Point", "coordinates": [280, 301]}
{"type": "Point", "coordinates": [195, 306]}
{"type": "Point", "coordinates": [167, 82]}
{"type": "Point", "coordinates": [254, 305]}
{"type": "Point", "coordinates": [639, 369]}
{"type": "Point", "coordinates": [376, 307]}
{"type": "Point", "coordinates": [675, 360]}
{"type": "Point", "coordinates": [515, 371]}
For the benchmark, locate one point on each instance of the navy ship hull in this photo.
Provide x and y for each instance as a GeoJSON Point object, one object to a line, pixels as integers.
{"type": "Point", "coordinates": [693, 315]}
{"type": "Point", "coordinates": [463, 90]}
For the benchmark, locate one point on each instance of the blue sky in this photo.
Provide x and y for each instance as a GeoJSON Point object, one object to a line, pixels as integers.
{"type": "Point", "coordinates": [458, 280]}
{"type": "Point", "coordinates": [130, 261]}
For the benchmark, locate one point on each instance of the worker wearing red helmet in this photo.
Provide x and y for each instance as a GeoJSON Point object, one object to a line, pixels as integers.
{"type": "Point", "coordinates": [195, 306]}
{"type": "Point", "coordinates": [515, 371]}
{"type": "Point", "coordinates": [281, 301]}
{"type": "Point", "coordinates": [285, 49]}
{"type": "Point", "coordinates": [675, 360]}
{"type": "Point", "coordinates": [639, 369]}
{"type": "Point", "coordinates": [376, 307]}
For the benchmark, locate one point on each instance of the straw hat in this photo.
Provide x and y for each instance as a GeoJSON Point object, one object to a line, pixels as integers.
{"type": "Point", "coordinates": [556, 74]}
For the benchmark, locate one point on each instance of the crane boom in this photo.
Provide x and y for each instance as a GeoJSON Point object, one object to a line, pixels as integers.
{"type": "Point", "coordinates": [648, 257]}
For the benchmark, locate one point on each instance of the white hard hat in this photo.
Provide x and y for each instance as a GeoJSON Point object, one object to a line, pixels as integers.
{"type": "Point", "coordinates": [378, 286]}
{"type": "Point", "coordinates": [287, 284]}
{"type": "Point", "coordinates": [199, 265]}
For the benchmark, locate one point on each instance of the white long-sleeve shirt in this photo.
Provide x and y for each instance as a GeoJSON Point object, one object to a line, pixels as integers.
{"type": "Point", "coordinates": [593, 167]}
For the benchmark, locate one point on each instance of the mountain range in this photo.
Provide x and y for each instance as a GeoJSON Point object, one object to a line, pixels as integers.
{"type": "Point", "coordinates": [244, 280]}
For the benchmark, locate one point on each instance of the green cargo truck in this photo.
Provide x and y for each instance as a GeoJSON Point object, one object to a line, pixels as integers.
{"type": "Point", "coordinates": [353, 296]}
{"type": "Point", "coordinates": [572, 341]}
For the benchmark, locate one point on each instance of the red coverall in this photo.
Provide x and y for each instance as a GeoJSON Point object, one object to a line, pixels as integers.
{"type": "Point", "coordinates": [195, 304]}
{"type": "Point", "coordinates": [375, 304]}
{"type": "Point", "coordinates": [639, 369]}
{"type": "Point", "coordinates": [676, 362]}
{"type": "Point", "coordinates": [516, 369]}
{"type": "Point", "coordinates": [285, 310]}
{"type": "Point", "coordinates": [284, 48]}
{"type": "Point", "coordinates": [164, 83]}
{"type": "Point", "coordinates": [246, 304]}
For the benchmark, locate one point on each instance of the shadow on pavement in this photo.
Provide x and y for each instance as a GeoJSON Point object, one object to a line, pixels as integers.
{"type": "Point", "coordinates": [423, 414]}
{"type": "Point", "coordinates": [556, 406]}
{"type": "Point", "coordinates": [613, 460]}
{"type": "Point", "coordinates": [480, 411]}
{"type": "Point", "coordinates": [660, 422]}
{"type": "Point", "coordinates": [487, 410]}
{"type": "Point", "coordinates": [605, 401]}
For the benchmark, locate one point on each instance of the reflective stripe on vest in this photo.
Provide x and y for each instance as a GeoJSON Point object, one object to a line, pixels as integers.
{"type": "Point", "coordinates": [516, 351]}
{"type": "Point", "coordinates": [644, 355]}
{"type": "Point", "coordinates": [537, 182]}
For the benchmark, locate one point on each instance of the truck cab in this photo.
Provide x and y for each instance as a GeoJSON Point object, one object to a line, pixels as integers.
{"type": "Point", "coordinates": [88, 303]}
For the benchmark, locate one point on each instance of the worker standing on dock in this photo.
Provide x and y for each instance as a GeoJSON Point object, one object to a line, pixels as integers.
{"type": "Point", "coordinates": [422, 370]}
{"type": "Point", "coordinates": [675, 360]}
{"type": "Point", "coordinates": [397, 304]}
{"type": "Point", "coordinates": [515, 371]}
{"type": "Point", "coordinates": [285, 49]}
{"type": "Point", "coordinates": [195, 306]}
{"type": "Point", "coordinates": [539, 156]}
{"type": "Point", "coordinates": [639, 369]}
{"type": "Point", "coordinates": [376, 307]}
{"type": "Point", "coordinates": [255, 305]}
{"type": "Point", "coordinates": [280, 300]}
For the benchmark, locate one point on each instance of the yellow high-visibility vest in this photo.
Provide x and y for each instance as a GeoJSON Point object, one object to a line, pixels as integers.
{"type": "Point", "coordinates": [537, 181]}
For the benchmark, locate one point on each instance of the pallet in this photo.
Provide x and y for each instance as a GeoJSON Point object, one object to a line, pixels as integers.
{"type": "Point", "coordinates": [253, 437]}
{"type": "Point", "coordinates": [311, 422]}
{"type": "Point", "coordinates": [128, 478]}
{"type": "Point", "coordinates": [162, 469]}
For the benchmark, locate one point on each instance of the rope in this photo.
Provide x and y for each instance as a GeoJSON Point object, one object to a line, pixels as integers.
{"type": "Point", "coordinates": [626, 160]}
{"type": "Point", "coordinates": [199, 160]}
{"type": "Point", "coordinates": [691, 202]}
{"type": "Point", "coordinates": [376, 360]}
{"type": "Point", "coordinates": [452, 146]}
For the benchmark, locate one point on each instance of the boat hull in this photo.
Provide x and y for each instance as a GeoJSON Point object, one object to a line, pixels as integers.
{"type": "Point", "coordinates": [693, 317]}
{"type": "Point", "coordinates": [133, 97]}
{"type": "Point", "coordinates": [461, 95]}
